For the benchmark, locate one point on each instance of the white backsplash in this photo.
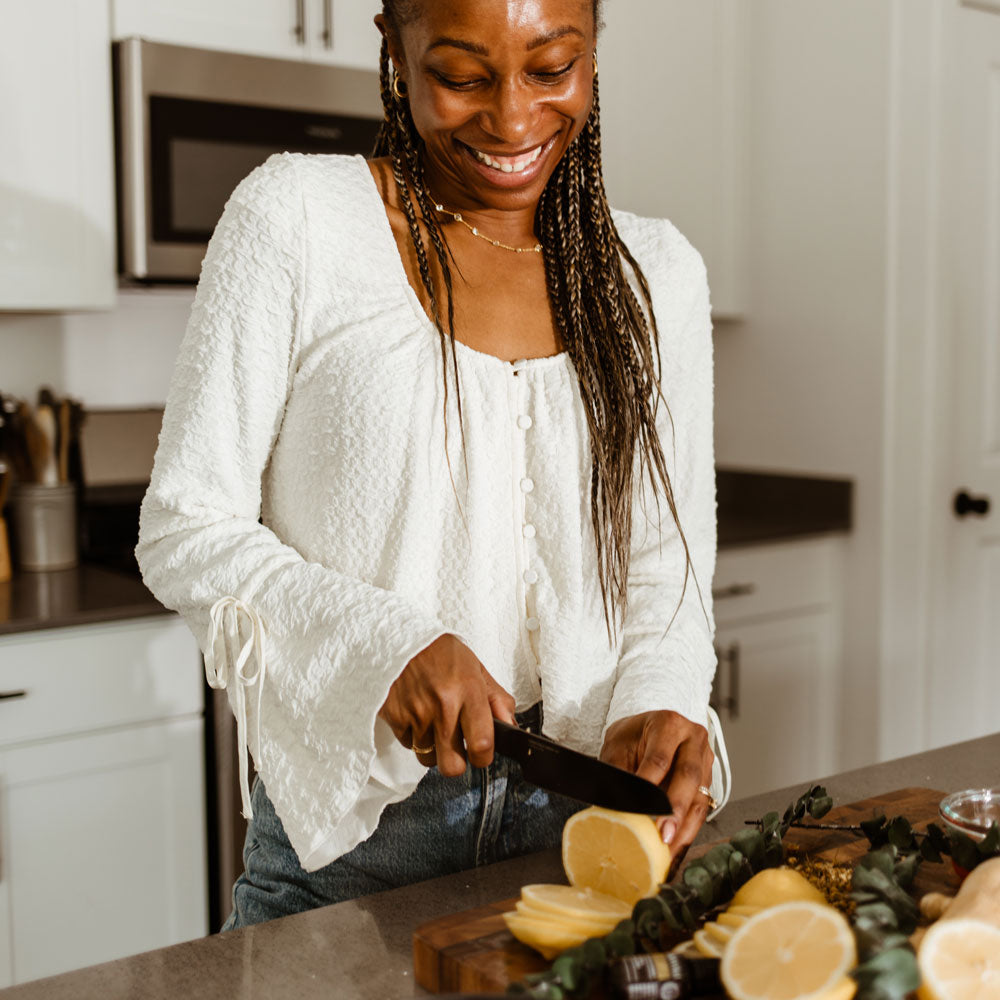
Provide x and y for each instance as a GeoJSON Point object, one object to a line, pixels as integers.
{"type": "Point", "coordinates": [121, 358]}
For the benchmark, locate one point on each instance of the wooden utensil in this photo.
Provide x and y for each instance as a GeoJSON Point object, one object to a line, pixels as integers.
{"type": "Point", "coordinates": [45, 419]}
{"type": "Point", "coordinates": [63, 440]}
{"type": "Point", "coordinates": [5, 571]}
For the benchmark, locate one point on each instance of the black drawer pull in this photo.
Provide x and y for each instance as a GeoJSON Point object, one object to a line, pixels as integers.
{"type": "Point", "coordinates": [11, 695]}
{"type": "Point", "coordinates": [734, 590]}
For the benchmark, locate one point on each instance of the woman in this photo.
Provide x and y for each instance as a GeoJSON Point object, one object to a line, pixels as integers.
{"type": "Point", "coordinates": [373, 588]}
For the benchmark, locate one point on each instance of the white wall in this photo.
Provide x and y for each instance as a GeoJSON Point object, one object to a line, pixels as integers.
{"type": "Point", "coordinates": [800, 382]}
{"type": "Point", "coordinates": [120, 358]}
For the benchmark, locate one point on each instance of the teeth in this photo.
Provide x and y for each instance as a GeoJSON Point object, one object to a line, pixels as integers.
{"type": "Point", "coordinates": [508, 165]}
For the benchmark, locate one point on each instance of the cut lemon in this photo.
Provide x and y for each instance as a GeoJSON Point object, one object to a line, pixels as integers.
{"type": "Point", "coordinates": [614, 852]}
{"type": "Point", "coordinates": [960, 960]}
{"type": "Point", "coordinates": [598, 926]}
{"type": "Point", "coordinates": [728, 919]}
{"type": "Point", "coordinates": [792, 951]}
{"type": "Point", "coordinates": [573, 902]}
{"type": "Point", "coordinates": [707, 945]}
{"type": "Point", "coordinates": [776, 885]}
{"type": "Point", "coordinates": [548, 937]}
{"type": "Point", "coordinates": [721, 933]}
{"type": "Point", "coordinates": [743, 910]}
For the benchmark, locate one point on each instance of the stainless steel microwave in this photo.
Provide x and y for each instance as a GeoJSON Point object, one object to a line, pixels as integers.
{"type": "Point", "coordinates": [191, 123]}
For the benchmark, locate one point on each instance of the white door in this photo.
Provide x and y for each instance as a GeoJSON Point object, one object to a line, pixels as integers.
{"type": "Point", "coordinates": [343, 32]}
{"type": "Point", "coordinates": [964, 679]}
{"type": "Point", "coordinates": [56, 157]}
{"type": "Point", "coordinates": [775, 697]}
{"type": "Point", "coordinates": [103, 846]}
{"type": "Point", "coordinates": [278, 28]}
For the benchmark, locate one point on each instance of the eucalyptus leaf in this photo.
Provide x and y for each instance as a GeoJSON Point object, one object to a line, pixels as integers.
{"type": "Point", "coordinates": [905, 870]}
{"type": "Point", "coordinates": [701, 881]}
{"type": "Point", "coordinates": [894, 972]}
{"type": "Point", "coordinates": [901, 834]}
{"type": "Point", "coordinates": [568, 969]}
{"type": "Point", "coordinates": [874, 830]}
{"type": "Point", "coordinates": [819, 807]}
{"type": "Point", "coordinates": [963, 850]}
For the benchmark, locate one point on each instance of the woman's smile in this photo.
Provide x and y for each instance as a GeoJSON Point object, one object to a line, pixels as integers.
{"type": "Point", "coordinates": [508, 170]}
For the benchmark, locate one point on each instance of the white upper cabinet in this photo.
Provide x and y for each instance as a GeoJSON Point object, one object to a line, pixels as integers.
{"type": "Point", "coordinates": [57, 248]}
{"type": "Point", "coordinates": [333, 31]}
{"type": "Point", "coordinates": [673, 76]}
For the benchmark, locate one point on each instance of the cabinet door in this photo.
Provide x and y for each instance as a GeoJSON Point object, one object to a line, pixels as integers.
{"type": "Point", "coordinates": [671, 82]}
{"type": "Point", "coordinates": [104, 845]}
{"type": "Point", "coordinates": [56, 172]}
{"type": "Point", "coordinates": [342, 32]}
{"type": "Point", "coordinates": [776, 694]}
{"type": "Point", "coordinates": [258, 27]}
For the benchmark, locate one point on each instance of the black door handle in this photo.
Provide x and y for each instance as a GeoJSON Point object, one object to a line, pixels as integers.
{"type": "Point", "coordinates": [965, 504]}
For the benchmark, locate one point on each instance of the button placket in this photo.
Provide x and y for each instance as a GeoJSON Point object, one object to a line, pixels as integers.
{"type": "Point", "coordinates": [529, 575]}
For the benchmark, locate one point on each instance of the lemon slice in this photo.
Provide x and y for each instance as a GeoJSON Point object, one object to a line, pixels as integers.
{"type": "Point", "coordinates": [614, 852]}
{"type": "Point", "coordinates": [742, 910]}
{"type": "Point", "coordinates": [573, 902]}
{"type": "Point", "coordinates": [792, 951]}
{"type": "Point", "coordinates": [707, 945]}
{"type": "Point", "coordinates": [728, 919]}
{"type": "Point", "coordinates": [548, 937]}
{"type": "Point", "coordinates": [960, 960]}
{"type": "Point", "coordinates": [718, 931]}
{"type": "Point", "coordinates": [598, 926]}
{"type": "Point", "coordinates": [776, 885]}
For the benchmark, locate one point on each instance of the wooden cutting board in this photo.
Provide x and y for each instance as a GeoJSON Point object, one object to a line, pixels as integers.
{"type": "Point", "coordinates": [473, 952]}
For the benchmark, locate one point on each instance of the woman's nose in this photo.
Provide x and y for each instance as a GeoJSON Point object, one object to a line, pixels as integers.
{"type": "Point", "coordinates": [510, 113]}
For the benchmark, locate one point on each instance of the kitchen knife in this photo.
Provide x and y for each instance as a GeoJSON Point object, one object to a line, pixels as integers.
{"type": "Point", "coordinates": [557, 768]}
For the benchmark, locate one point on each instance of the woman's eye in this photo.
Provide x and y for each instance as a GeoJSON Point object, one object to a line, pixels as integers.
{"type": "Point", "coordinates": [555, 74]}
{"type": "Point", "coordinates": [453, 84]}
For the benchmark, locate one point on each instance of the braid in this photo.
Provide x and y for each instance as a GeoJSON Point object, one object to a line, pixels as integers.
{"type": "Point", "coordinates": [609, 335]}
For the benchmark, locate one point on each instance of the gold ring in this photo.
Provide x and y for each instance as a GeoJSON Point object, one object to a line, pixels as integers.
{"type": "Point", "coordinates": [422, 751]}
{"type": "Point", "coordinates": [712, 804]}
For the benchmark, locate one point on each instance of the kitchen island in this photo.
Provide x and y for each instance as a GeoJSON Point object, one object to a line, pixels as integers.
{"type": "Point", "coordinates": [361, 949]}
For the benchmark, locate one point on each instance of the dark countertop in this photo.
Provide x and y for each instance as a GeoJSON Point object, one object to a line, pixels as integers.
{"type": "Point", "coordinates": [753, 508]}
{"type": "Point", "coordinates": [361, 950]}
{"type": "Point", "coordinates": [78, 596]}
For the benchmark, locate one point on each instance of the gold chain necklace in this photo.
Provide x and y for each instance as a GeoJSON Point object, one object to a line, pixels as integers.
{"type": "Point", "coordinates": [457, 216]}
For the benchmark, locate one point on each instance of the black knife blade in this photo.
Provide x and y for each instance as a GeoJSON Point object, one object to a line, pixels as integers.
{"type": "Point", "coordinates": [556, 768]}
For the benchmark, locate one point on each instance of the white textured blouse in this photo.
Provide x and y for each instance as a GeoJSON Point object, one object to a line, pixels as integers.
{"type": "Point", "coordinates": [303, 518]}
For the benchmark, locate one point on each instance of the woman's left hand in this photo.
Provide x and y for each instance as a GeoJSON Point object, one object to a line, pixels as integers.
{"type": "Point", "coordinates": [669, 750]}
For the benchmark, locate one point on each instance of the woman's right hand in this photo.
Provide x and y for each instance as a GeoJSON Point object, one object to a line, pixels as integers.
{"type": "Point", "coordinates": [446, 700]}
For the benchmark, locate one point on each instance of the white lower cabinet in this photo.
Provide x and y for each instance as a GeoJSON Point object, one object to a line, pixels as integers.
{"type": "Point", "coordinates": [102, 831]}
{"type": "Point", "coordinates": [778, 620]}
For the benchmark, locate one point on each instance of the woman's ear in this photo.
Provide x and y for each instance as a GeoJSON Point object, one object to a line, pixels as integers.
{"type": "Point", "coordinates": [395, 44]}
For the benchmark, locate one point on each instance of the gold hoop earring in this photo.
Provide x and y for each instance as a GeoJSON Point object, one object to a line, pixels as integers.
{"type": "Point", "coordinates": [399, 87]}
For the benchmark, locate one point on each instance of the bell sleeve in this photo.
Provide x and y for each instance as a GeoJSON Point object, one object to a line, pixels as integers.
{"type": "Point", "coordinates": [666, 657]}
{"type": "Point", "coordinates": [307, 653]}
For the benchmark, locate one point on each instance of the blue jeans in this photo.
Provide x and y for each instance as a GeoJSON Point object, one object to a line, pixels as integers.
{"type": "Point", "coordinates": [446, 825]}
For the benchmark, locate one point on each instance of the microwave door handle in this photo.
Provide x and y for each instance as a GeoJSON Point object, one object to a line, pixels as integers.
{"type": "Point", "coordinates": [300, 22]}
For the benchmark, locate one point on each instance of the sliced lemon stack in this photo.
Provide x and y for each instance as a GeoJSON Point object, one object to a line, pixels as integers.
{"type": "Point", "coordinates": [612, 860]}
{"type": "Point", "coordinates": [770, 887]}
{"type": "Point", "coordinates": [792, 951]}
{"type": "Point", "coordinates": [960, 960]}
{"type": "Point", "coordinates": [552, 918]}
{"type": "Point", "coordinates": [621, 854]}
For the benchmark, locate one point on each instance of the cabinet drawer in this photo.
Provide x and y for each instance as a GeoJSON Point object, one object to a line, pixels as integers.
{"type": "Point", "coordinates": [765, 580]}
{"type": "Point", "coordinates": [74, 680]}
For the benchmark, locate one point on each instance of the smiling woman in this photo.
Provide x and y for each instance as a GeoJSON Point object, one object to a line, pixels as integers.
{"type": "Point", "coordinates": [374, 594]}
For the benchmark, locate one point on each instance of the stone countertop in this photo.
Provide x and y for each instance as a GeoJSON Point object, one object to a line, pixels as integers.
{"type": "Point", "coordinates": [753, 508]}
{"type": "Point", "coordinates": [361, 950]}
{"type": "Point", "coordinates": [78, 596]}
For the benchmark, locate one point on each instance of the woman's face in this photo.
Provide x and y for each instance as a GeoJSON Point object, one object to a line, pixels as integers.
{"type": "Point", "coordinates": [498, 89]}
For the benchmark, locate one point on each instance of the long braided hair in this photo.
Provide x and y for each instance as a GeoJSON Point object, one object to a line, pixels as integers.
{"type": "Point", "coordinates": [608, 335]}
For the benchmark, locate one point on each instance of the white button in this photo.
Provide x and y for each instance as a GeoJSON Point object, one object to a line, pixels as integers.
{"type": "Point", "coordinates": [531, 624]}
{"type": "Point", "coordinates": [528, 531]}
{"type": "Point", "coordinates": [530, 576]}
{"type": "Point", "coordinates": [524, 421]}
{"type": "Point", "coordinates": [527, 485]}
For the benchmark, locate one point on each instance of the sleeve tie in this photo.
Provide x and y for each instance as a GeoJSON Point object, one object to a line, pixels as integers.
{"type": "Point", "coordinates": [225, 619]}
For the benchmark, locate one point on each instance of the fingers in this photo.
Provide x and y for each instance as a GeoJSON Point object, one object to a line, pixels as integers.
{"type": "Point", "coordinates": [445, 694]}
{"type": "Point", "coordinates": [691, 769]}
